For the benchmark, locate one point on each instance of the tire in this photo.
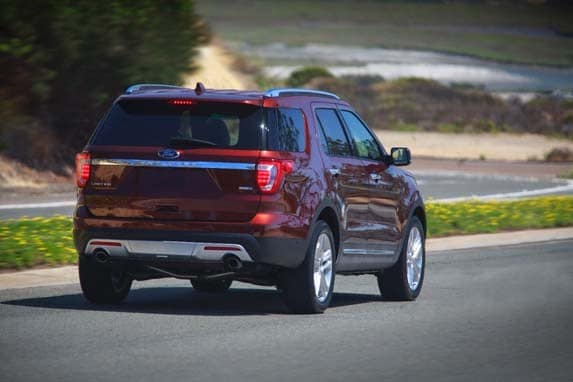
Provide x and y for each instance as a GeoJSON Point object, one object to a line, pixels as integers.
{"type": "Point", "coordinates": [211, 286]}
{"type": "Point", "coordinates": [395, 283]}
{"type": "Point", "coordinates": [299, 286]}
{"type": "Point", "coordinates": [103, 284]}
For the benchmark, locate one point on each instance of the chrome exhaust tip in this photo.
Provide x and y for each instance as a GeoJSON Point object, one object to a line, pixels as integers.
{"type": "Point", "coordinates": [101, 255]}
{"type": "Point", "coordinates": [232, 262]}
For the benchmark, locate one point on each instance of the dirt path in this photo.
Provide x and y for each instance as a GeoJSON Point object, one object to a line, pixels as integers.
{"type": "Point", "coordinates": [215, 70]}
{"type": "Point", "coordinates": [16, 177]}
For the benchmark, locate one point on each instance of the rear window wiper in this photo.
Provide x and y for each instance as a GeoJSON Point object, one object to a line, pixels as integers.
{"type": "Point", "coordinates": [184, 143]}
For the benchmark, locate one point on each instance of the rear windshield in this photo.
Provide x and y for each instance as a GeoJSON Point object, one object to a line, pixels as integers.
{"type": "Point", "coordinates": [153, 123]}
{"type": "Point", "coordinates": [204, 124]}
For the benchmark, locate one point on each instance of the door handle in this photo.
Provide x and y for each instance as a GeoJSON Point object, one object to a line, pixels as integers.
{"type": "Point", "coordinates": [377, 180]}
{"type": "Point", "coordinates": [334, 171]}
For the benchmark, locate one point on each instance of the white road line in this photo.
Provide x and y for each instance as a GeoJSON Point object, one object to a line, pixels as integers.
{"type": "Point", "coordinates": [510, 195]}
{"type": "Point", "coordinates": [37, 205]}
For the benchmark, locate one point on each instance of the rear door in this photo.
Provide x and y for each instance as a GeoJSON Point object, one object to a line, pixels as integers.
{"type": "Point", "coordinates": [384, 189]}
{"type": "Point", "coordinates": [155, 159]}
{"type": "Point", "coordinates": [348, 177]}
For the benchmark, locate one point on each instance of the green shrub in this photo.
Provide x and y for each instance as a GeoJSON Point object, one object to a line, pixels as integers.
{"type": "Point", "coordinates": [303, 76]}
{"type": "Point", "coordinates": [559, 154]}
{"type": "Point", "coordinates": [432, 106]}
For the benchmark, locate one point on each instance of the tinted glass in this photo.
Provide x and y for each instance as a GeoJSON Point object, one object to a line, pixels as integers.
{"type": "Point", "coordinates": [364, 142]}
{"type": "Point", "coordinates": [285, 130]}
{"type": "Point", "coordinates": [334, 139]}
{"type": "Point", "coordinates": [158, 123]}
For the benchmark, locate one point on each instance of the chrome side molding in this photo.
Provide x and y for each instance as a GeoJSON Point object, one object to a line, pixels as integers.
{"type": "Point", "coordinates": [377, 252]}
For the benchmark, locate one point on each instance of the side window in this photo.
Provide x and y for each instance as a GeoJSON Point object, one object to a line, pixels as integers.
{"type": "Point", "coordinates": [334, 138]}
{"type": "Point", "coordinates": [363, 140]}
{"type": "Point", "coordinates": [285, 130]}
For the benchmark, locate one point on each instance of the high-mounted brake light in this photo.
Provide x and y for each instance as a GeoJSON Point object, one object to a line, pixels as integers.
{"type": "Point", "coordinates": [181, 102]}
{"type": "Point", "coordinates": [270, 174]}
{"type": "Point", "coordinates": [83, 168]}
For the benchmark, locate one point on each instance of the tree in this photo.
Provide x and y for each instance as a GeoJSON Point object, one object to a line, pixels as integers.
{"type": "Point", "coordinates": [64, 61]}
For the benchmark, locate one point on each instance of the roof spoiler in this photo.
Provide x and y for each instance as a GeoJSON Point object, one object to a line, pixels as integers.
{"type": "Point", "coordinates": [199, 88]}
{"type": "Point", "coordinates": [143, 87]}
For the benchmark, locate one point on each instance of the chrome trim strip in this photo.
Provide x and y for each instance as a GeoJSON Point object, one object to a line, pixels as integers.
{"type": "Point", "coordinates": [165, 249]}
{"type": "Point", "coordinates": [174, 164]}
{"type": "Point", "coordinates": [378, 252]}
{"type": "Point", "coordinates": [276, 92]}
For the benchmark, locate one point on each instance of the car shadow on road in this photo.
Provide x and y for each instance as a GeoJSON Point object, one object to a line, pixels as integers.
{"type": "Point", "coordinates": [185, 301]}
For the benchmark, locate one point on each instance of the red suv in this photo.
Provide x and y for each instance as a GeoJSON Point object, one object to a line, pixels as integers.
{"type": "Point", "coordinates": [285, 187]}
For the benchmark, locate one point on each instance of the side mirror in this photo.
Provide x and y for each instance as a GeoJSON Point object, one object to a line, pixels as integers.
{"type": "Point", "coordinates": [400, 156]}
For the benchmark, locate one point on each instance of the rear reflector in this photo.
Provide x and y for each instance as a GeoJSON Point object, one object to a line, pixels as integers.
{"type": "Point", "coordinates": [220, 248]}
{"type": "Point", "coordinates": [83, 168]}
{"type": "Point", "coordinates": [106, 243]}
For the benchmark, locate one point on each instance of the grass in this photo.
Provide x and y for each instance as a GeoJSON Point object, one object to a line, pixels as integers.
{"type": "Point", "coordinates": [405, 127]}
{"type": "Point", "coordinates": [504, 31]}
{"type": "Point", "coordinates": [449, 128]}
{"type": "Point", "coordinates": [445, 219]}
{"type": "Point", "coordinates": [30, 242]}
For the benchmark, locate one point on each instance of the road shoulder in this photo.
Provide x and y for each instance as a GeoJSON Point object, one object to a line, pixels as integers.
{"type": "Point", "coordinates": [497, 239]}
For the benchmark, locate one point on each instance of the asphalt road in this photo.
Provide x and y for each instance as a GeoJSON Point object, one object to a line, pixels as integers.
{"type": "Point", "coordinates": [433, 186]}
{"type": "Point", "coordinates": [455, 185]}
{"type": "Point", "coordinates": [488, 314]}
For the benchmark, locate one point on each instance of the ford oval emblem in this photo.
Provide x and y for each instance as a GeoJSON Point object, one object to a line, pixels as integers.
{"type": "Point", "coordinates": [168, 154]}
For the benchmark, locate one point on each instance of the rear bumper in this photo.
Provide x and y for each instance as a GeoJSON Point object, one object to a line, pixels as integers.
{"type": "Point", "coordinates": [168, 245]}
{"type": "Point", "coordinates": [157, 250]}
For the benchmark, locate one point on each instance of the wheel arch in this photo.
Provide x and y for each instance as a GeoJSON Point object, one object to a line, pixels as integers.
{"type": "Point", "coordinates": [327, 212]}
{"type": "Point", "coordinates": [417, 209]}
{"type": "Point", "coordinates": [420, 213]}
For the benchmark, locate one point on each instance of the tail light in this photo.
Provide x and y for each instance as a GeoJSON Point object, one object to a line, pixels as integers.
{"type": "Point", "coordinates": [83, 169]}
{"type": "Point", "coordinates": [270, 174]}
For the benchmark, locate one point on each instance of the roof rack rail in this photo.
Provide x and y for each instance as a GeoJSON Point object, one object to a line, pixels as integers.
{"type": "Point", "coordinates": [277, 92]}
{"type": "Point", "coordinates": [142, 87]}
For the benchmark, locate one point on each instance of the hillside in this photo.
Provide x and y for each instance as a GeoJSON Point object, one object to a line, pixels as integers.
{"type": "Point", "coordinates": [531, 32]}
{"type": "Point", "coordinates": [413, 104]}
